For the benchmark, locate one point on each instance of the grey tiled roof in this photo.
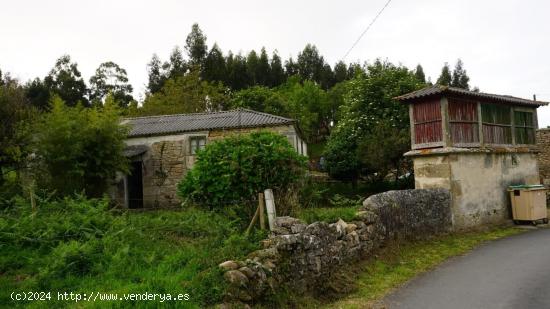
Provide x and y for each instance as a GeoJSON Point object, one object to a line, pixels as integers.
{"type": "Point", "coordinates": [169, 124]}
{"type": "Point", "coordinates": [440, 90]}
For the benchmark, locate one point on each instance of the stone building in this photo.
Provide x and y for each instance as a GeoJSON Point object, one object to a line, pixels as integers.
{"type": "Point", "coordinates": [162, 149]}
{"type": "Point", "coordinates": [474, 144]}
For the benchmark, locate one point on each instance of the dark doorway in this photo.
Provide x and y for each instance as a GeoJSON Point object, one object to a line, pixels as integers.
{"type": "Point", "coordinates": [135, 186]}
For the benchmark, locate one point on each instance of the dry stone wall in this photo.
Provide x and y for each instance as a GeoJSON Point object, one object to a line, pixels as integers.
{"type": "Point", "coordinates": [303, 257]}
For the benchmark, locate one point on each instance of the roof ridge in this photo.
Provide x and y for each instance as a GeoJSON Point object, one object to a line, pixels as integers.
{"type": "Point", "coordinates": [180, 114]}
{"type": "Point", "coordinates": [265, 114]}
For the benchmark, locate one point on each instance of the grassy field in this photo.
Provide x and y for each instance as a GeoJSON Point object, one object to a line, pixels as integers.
{"type": "Point", "coordinates": [78, 245]}
{"type": "Point", "coordinates": [399, 263]}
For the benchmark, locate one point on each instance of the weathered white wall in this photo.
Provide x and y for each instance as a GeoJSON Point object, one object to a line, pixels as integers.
{"type": "Point", "coordinates": [477, 181]}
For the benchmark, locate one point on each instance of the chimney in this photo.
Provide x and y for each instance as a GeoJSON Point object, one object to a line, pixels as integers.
{"type": "Point", "coordinates": [534, 97]}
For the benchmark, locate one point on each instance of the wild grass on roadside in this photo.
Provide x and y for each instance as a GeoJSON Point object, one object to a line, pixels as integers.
{"type": "Point", "coordinates": [398, 263]}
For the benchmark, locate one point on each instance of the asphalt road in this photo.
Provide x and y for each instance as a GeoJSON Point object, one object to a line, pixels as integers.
{"type": "Point", "coordinates": [513, 272]}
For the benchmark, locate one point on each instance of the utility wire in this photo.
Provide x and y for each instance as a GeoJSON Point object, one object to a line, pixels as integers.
{"type": "Point", "coordinates": [367, 29]}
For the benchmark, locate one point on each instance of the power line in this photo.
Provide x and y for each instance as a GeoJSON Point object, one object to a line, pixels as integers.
{"type": "Point", "coordinates": [367, 29]}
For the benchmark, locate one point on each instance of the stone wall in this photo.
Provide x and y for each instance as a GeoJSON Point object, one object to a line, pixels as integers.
{"type": "Point", "coordinates": [543, 157]}
{"type": "Point", "coordinates": [303, 257]}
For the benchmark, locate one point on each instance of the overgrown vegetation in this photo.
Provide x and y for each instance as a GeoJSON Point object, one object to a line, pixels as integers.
{"type": "Point", "coordinates": [79, 245]}
{"type": "Point", "coordinates": [232, 171]}
{"type": "Point", "coordinates": [78, 149]}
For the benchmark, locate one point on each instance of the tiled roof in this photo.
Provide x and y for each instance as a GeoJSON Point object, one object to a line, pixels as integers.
{"type": "Point", "coordinates": [169, 124]}
{"type": "Point", "coordinates": [440, 90]}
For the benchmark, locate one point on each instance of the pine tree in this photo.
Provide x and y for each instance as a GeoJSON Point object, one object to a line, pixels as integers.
{"type": "Point", "coordinates": [460, 78]}
{"type": "Point", "coordinates": [445, 76]}
{"type": "Point", "coordinates": [277, 71]}
{"type": "Point", "coordinates": [419, 73]}
{"type": "Point", "coordinates": [237, 74]}
{"type": "Point", "coordinates": [195, 45]}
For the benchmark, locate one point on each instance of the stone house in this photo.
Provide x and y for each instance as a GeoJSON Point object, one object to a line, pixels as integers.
{"type": "Point", "coordinates": [162, 149]}
{"type": "Point", "coordinates": [475, 145]}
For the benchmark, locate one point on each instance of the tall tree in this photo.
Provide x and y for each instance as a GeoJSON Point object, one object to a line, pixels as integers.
{"type": "Point", "coordinates": [38, 94]}
{"type": "Point", "coordinates": [419, 73]}
{"type": "Point", "coordinates": [178, 65]}
{"type": "Point", "coordinates": [109, 77]}
{"type": "Point", "coordinates": [214, 68]}
{"type": "Point", "coordinates": [277, 71]}
{"type": "Point", "coordinates": [195, 45]}
{"type": "Point", "coordinates": [369, 104]}
{"type": "Point", "coordinates": [16, 113]}
{"type": "Point", "coordinates": [66, 81]}
{"type": "Point", "coordinates": [1, 79]}
{"type": "Point", "coordinates": [263, 71]}
{"type": "Point", "coordinates": [252, 62]}
{"type": "Point", "coordinates": [460, 78]}
{"type": "Point", "coordinates": [291, 67]}
{"type": "Point", "coordinates": [310, 63]}
{"type": "Point", "coordinates": [157, 75]}
{"type": "Point", "coordinates": [340, 72]}
{"type": "Point", "coordinates": [445, 77]}
{"type": "Point", "coordinates": [237, 73]}
{"type": "Point", "coordinates": [326, 78]}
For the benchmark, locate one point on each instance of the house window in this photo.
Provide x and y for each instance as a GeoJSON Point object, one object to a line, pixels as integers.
{"type": "Point", "coordinates": [497, 124]}
{"type": "Point", "coordinates": [524, 127]}
{"type": "Point", "coordinates": [197, 143]}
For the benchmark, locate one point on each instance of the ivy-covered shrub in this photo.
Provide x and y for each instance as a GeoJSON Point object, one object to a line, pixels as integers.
{"type": "Point", "coordinates": [234, 170]}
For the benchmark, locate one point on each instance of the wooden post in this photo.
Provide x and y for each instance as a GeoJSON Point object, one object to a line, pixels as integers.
{"type": "Point", "coordinates": [270, 205]}
{"type": "Point", "coordinates": [254, 219]}
{"type": "Point", "coordinates": [261, 203]}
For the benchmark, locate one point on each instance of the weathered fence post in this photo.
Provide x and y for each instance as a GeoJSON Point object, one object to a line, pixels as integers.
{"type": "Point", "coordinates": [261, 202]}
{"type": "Point", "coordinates": [270, 205]}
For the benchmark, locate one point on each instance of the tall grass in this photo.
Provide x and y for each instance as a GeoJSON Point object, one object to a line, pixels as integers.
{"type": "Point", "coordinates": [80, 245]}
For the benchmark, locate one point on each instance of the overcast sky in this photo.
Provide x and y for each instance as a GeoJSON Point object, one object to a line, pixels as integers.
{"type": "Point", "coordinates": [504, 44]}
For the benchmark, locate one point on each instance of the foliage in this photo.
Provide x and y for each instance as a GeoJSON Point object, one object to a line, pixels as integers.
{"type": "Point", "coordinates": [445, 77]}
{"type": "Point", "coordinates": [419, 73]}
{"type": "Point", "coordinates": [460, 77]}
{"type": "Point", "coordinates": [65, 81]}
{"type": "Point", "coordinates": [16, 112]}
{"type": "Point", "coordinates": [237, 168]}
{"type": "Point", "coordinates": [369, 109]}
{"type": "Point", "coordinates": [109, 77]}
{"type": "Point", "coordinates": [382, 151]}
{"type": "Point", "coordinates": [195, 45]}
{"type": "Point", "coordinates": [329, 214]}
{"type": "Point", "coordinates": [79, 149]}
{"type": "Point", "coordinates": [260, 98]}
{"type": "Point", "coordinates": [185, 94]}
{"type": "Point", "coordinates": [75, 244]}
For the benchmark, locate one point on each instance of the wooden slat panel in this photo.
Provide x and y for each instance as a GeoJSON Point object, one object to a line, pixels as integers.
{"type": "Point", "coordinates": [463, 120]}
{"type": "Point", "coordinates": [427, 122]}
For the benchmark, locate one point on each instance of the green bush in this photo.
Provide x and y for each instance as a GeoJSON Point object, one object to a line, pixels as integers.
{"type": "Point", "coordinates": [79, 149]}
{"type": "Point", "coordinates": [234, 170]}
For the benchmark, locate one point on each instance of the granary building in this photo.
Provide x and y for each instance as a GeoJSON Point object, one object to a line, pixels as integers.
{"type": "Point", "coordinates": [474, 144]}
{"type": "Point", "coordinates": [162, 149]}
